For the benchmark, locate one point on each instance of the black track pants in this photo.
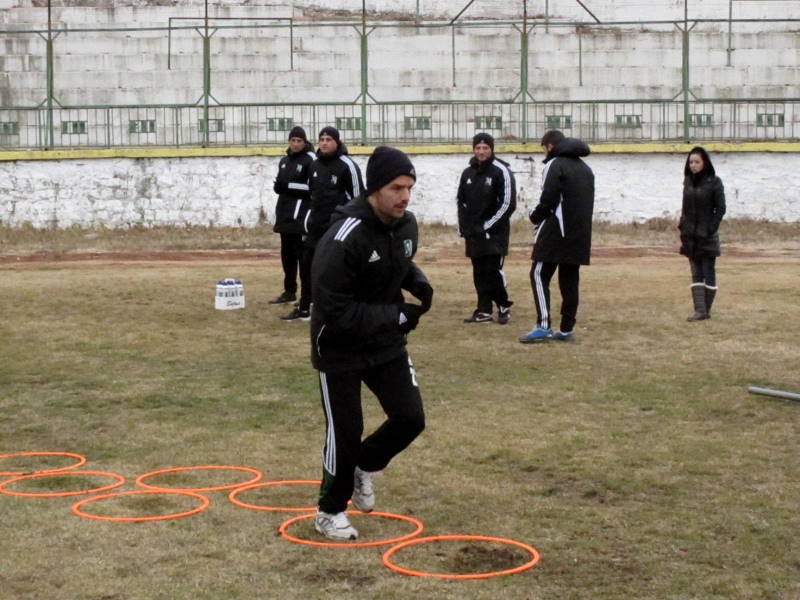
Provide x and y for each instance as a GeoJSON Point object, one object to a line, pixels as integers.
{"type": "Point", "coordinates": [291, 247]}
{"type": "Point", "coordinates": [306, 258]}
{"type": "Point", "coordinates": [568, 283]}
{"type": "Point", "coordinates": [490, 282]}
{"type": "Point", "coordinates": [395, 385]}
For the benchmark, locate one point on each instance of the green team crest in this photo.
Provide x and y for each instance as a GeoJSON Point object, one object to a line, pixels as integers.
{"type": "Point", "coordinates": [408, 248]}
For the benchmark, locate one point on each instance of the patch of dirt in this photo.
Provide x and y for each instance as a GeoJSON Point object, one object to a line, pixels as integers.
{"type": "Point", "coordinates": [166, 256]}
{"type": "Point", "coordinates": [475, 558]}
{"type": "Point", "coordinates": [426, 254]}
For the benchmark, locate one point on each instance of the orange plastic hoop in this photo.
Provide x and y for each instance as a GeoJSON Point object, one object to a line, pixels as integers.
{"type": "Point", "coordinates": [282, 531]}
{"type": "Point", "coordinates": [119, 481]}
{"type": "Point", "coordinates": [232, 496]}
{"type": "Point", "coordinates": [80, 463]}
{"type": "Point", "coordinates": [204, 503]}
{"type": "Point", "coordinates": [140, 480]}
{"type": "Point", "coordinates": [472, 538]}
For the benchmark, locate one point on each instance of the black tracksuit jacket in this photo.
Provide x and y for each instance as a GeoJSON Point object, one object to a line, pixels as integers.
{"type": "Point", "coordinates": [487, 197]}
{"type": "Point", "coordinates": [291, 185]}
{"type": "Point", "coordinates": [564, 213]}
{"type": "Point", "coordinates": [334, 179]}
{"type": "Point", "coordinates": [361, 266]}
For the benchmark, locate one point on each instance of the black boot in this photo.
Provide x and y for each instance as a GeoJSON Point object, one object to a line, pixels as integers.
{"type": "Point", "coordinates": [711, 293]}
{"type": "Point", "coordinates": [699, 299]}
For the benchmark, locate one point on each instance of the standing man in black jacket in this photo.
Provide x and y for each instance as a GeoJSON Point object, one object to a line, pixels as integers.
{"type": "Point", "coordinates": [359, 325]}
{"type": "Point", "coordinates": [563, 220]}
{"type": "Point", "coordinates": [487, 197]}
{"type": "Point", "coordinates": [334, 180]}
{"type": "Point", "coordinates": [291, 185]}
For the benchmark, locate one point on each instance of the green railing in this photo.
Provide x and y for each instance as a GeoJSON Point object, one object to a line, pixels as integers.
{"type": "Point", "coordinates": [397, 123]}
{"type": "Point", "coordinates": [367, 121]}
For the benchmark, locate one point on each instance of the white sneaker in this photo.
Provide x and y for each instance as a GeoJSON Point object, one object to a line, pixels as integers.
{"type": "Point", "coordinates": [335, 526]}
{"type": "Point", "coordinates": [363, 493]}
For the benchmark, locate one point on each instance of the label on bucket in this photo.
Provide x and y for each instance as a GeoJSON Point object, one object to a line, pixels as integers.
{"type": "Point", "coordinates": [230, 295]}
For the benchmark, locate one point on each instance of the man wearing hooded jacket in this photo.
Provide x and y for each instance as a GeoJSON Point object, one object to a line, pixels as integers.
{"type": "Point", "coordinates": [291, 185]}
{"type": "Point", "coordinates": [487, 197]}
{"type": "Point", "coordinates": [359, 324]}
{"type": "Point", "coordinates": [563, 239]}
{"type": "Point", "coordinates": [334, 179]}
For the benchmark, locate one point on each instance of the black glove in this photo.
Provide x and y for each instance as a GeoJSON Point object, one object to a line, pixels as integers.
{"type": "Point", "coordinates": [279, 187]}
{"type": "Point", "coordinates": [409, 316]}
{"type": "Point", "coordinates": [423, 292]}
{"type": "Point", "coordinates": [478, 230]}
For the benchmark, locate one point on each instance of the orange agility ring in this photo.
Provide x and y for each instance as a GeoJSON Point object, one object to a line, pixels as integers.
{"type": "Point", "coordinates": [81, 461]}
{"type": "Point", "coordinates": [257, 475]}
{"type": "Point", "coordinates": [232, 496]}
{"type": "Point", "coordinates": [470, 538]}
{"type": "Point", "coordinates": [77, 508]}
{"type": "Point", "coordinates": [282, 530]}
{"type": "Point", "coordinates": [119, 480]}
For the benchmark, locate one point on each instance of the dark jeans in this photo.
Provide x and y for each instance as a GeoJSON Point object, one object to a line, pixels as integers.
{"type": "Point", "coordinates": [568, 284]}
{"type": "Point", "coordinates": [490, 282]}
{"type": "Point", "coordinates": [704, 270]}
{"type": "Point", "coordinates": [395, 385]}
{"type": "Point", "coordinates": [291, 246]}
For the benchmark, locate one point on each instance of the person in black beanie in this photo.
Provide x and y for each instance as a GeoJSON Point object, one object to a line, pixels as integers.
{"type": "Point", "coordinates": [291, 185]}
{"type": "Point", "coordinates": [359, 326]}
{"type": "Point", "coordinates": [334, 179]}
{"type": "Point", "coordinates": [487, 197]}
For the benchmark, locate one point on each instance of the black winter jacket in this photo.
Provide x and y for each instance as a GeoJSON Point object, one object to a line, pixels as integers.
{"type": "Point", "coordinates": [564, 214]}
{"type": "Point", "coordinates": [335, 179]}
{"type": "Point", "coordinates": [703, 208]}
{"type": "Point", "coordinates": [360, 267]}
{"type": "Point", "coordinates": [487, 197]}
{"type": "Point", "coordinates": [291, 185]}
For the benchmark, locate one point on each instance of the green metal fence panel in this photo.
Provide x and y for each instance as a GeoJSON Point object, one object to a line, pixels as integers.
{"type": "Point", "coordinates": [364, 120]}
{"type": "Point", "coordinates": [397, 123]}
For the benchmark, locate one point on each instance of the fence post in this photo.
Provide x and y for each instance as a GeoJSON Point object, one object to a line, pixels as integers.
{"type": "Point", "coordinates": [523, 69]}
{"type": "Point", "coordinates": [685, 79]}
{"type": "Point", "coordinates": [364, 78]}
{"type": "Point", "coordinates": [206, 77]}
{"type": "Point", "coordinates": [50, 92]}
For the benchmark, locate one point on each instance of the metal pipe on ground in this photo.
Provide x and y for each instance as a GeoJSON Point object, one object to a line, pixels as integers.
{"type": "Point", "coordinates": [774, 393]}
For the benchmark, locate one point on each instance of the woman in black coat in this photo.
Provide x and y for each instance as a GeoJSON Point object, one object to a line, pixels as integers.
{"type": "Point", "coordinates": [701, 214]}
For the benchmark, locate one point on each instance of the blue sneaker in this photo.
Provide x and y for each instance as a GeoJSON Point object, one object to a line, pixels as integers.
{"type": "Point", "coordinates": [563, 336]}
{"type": "Point", "coordinates": [538, 334]}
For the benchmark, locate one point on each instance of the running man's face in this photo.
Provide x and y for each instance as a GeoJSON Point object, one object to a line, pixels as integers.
{"type": "Point", "coordinates": [390, 202]}
{"type": "Point", "coordinates": [327, 145]}
{"type": "Point", "coordinates": [296, 144]}
{"type": "Point", "coordinates": [482, 151]}
{"type": "Point", "coordinates": [695, 163]}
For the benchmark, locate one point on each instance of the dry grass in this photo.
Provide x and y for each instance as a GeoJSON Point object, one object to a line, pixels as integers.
{"type": "Point", "coordinates": [633, 459]}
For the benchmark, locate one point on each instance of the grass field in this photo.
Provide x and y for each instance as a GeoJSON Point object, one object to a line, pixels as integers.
{"type": "Point", "coordinates": [633, 459]}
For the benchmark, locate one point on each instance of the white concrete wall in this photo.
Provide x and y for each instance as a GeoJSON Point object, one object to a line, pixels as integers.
{"type": "Point", "coordinates": [253, 65]}
{"type": "Point", "coordinates": [235, 191]}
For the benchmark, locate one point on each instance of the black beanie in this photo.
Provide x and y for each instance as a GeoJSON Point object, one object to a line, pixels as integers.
{"type": "Point", "coordinates": [298, 132]}
{"type": "Point", "coordinates": [331, 131]}
{"type": "Point", "coordinates": [385, 165]}
{"type": "Point", "coordinates": [485, 138]}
